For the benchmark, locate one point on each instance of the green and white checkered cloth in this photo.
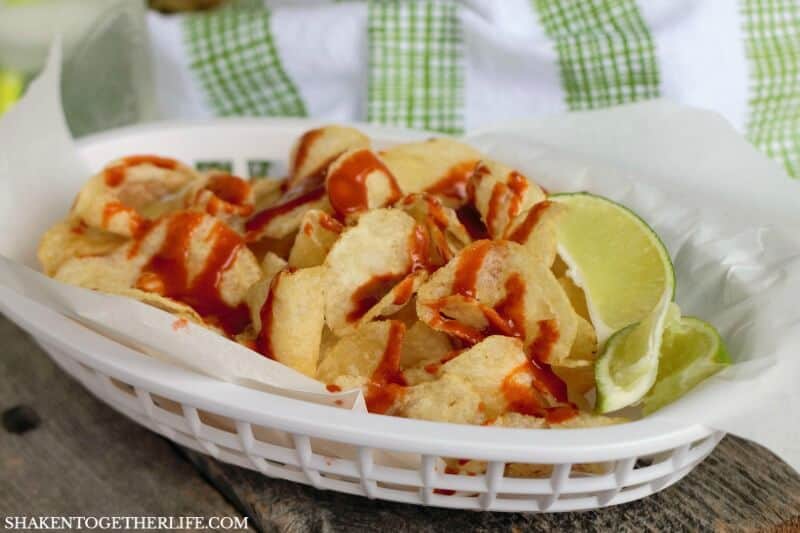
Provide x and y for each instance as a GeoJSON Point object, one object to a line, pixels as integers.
{"type": "Point", "coordinates": [453, 65]}
{"type": "Point", "coordinates": [415, 65]}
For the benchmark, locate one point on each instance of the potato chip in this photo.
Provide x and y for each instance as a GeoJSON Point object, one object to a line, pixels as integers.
{"type": "Point", "coordinates": [585, 346]}
{"type": "Point", "coordinates": [328, 341]}
{"type": "Point", "coordinates": [281, 247]}
{"type": "Point", "coordinates": [532, 470]}
{"type": "Point", "coordinates": [127, 192]}
{"type": "Point", "coordinates": [588, 420]}
{"type": "Point", "coordinates": [187, 256]}
{"type": "Point", "coordinates": [305, 189]}
{"type": "Point", "coordinates": [423, 353]}
{"type": "Point", "coordinates": [266, 192]}
{"type": "Point", "coordinates": [283, 218]}
{"type": "Point", "coordinates": [318, 232]}
{"type": "Point", "coordinates": [73, 238]}
{"type": "Point", "coordinates": [441, 167]}
{"type": "Point", "coordinates": [370, 357]}
{"type": "Point", "coordinates": [501, 373]}
{"type": "Point", "coordinates": [225, 196]}
{"type": "Point", "coordinates": [290, 318]}
{"type": "Point", "coordinates": [500, 194]}
{"type": "Point", "coordinates": [576, 296]}
{"type": "Point", "coordinates": [495, 287]}
{"type": "Point", "coordinates": [357, 181]}
{"type": "Point", "coordinates": [535, 229]}
{"type": "Point", "coordinates": [519, 420]}
{"type": "Point", "coordinates": [407, 314]}
{"type": "Point", "coordinates": [424, 275]}
{"type": "Point", "coordinates": [580, 379]}
{"type": "Point", "coordinates": [112, 273]}
{"type": "Point", "coordinates": [446, 234]}
{"type": "Point", "coordinates": [423, 345]}
{"type": "Point", "coordinates": [363, 285]}
{"type": "Point", "coordinates": [258, 291]}
{"type": "Point", "coordinates": [449, 399]}
{"type": "Point", "coordinates": [317, 148]}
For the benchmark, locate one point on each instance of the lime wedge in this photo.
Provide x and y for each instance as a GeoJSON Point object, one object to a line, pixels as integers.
{"type": "Point", "coordinates": [616, 258]}
{"type": "Point", "coordinates": [691, 351]}
{"type": "Point", "coordinates": [628, 365]}
{"type": "Point", "coordinates": [10, 89]}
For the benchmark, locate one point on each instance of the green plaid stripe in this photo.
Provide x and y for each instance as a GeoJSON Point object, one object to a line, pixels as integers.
{"type": "Point", "coordinates": [605, 51]}
{"type": "Point", "coordinates": [772, 29]}
{"type": "Point", "coordinates": [415, 65]}
{"type": "Point", "coordinates": [235, 61]}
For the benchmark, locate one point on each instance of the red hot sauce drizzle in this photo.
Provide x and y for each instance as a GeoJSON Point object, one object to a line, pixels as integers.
{"type": "Point", "coordinates": [464, 284]}
{"type": "Point", "coordinates": [136, 224]}
{"type": "Point", "coordinates": [507, 317]}
{"type": "Point", "coordinates": [512, 307]}
{"type": "Point", "coordinates": [521, 233]}
{"type": "Point", "coordinates": [303, 148]}
{"type": "Point", "coordinates": [521, 396]}
{"type": "Point", "coordinates": [498, 194]}
{"type": "Point", "coordinates": [115, 175]}
{"type": "Point", "coordinates": [347, 182]}
{"type": "Point", "coordinates": [293, 199]}
{"type": "Point", "coordinates": [370, 293]}
{"type": "Point", "coordinates": [518, 186]}
{"type": "Point", "coordinates": [229, 188]}
{"type": "Point", "coordinates": [469, 264]}
{"type": "Point", "coordinates": [330, 223]}
{"type": "Point", "coordinates": [231, 194]}
{"type": "Point", "coordinates": [527, 400]}
{"type": "Point", "coordinates": [454, 183]}
{"type": "Point", "coordinates": [167, 271]}
{"type": "Point", "coordinates": [387, 381]}
{"type": "Point", "coordinates": [512, 194]}
{"type": "Point", "coordinates": [403, 291]}
{"type": "Point", "coordinates": [539, 352]}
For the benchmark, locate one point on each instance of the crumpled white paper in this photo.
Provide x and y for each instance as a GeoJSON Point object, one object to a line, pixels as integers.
{"type": "Point", "coordinates": [722, 209]}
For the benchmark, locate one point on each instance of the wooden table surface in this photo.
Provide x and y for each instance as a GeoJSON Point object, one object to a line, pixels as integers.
{"type": "Point", "coordinates": [86, 459]}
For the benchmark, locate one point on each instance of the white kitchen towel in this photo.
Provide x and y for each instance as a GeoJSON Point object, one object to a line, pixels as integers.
{"type": "Point", "coordinates": [456, 65]}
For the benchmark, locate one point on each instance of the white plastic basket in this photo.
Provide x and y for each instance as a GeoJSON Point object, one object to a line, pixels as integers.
{"type": "Point", "coordinates": [233, 423]}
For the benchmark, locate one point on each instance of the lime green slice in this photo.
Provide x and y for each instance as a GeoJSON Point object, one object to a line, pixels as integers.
{"type": "Point", "coordinates": [628, 365]}
{"type": "Point", "coordinates": [691, 351]}
{"type": "Point", "coordinates": [10, 89]}
{"type": "Point", "coordinates": [616, 258]}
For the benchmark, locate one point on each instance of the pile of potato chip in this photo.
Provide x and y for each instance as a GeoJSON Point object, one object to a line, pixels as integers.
{"type": "Point", "coordinates": [424, 274]}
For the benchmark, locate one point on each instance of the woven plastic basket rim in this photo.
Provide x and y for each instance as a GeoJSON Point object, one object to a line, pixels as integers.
{"type": "Point", "coordinates": [648, 435]}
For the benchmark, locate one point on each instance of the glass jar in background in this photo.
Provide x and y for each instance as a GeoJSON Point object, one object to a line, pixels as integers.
{"type": "Point", "coordinates": [106, 79]}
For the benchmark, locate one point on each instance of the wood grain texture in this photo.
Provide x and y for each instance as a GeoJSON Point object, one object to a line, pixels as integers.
{"type": "Point", "coordinates": [85, 458]}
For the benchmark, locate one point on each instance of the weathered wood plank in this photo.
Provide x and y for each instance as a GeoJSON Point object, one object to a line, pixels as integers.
{"type": "Point", "coordinates": [85, 458]}
{"type": "Point", "coordinates": [739, 487]}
